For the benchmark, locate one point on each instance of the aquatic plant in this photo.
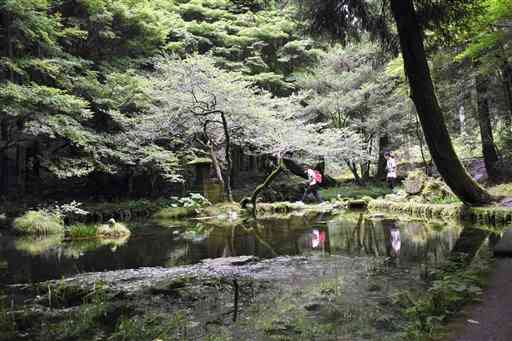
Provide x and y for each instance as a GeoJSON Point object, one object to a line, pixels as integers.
{"type": "Point", "coordinates": [40, 222]}
{"type": "Point", "coordinates": [78, 231]}
{"type": "Point", "coordinates": [112, 230]}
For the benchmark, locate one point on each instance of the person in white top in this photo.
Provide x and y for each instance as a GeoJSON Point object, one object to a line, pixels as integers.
{"type": "Point", "coordinates": [391, 169]}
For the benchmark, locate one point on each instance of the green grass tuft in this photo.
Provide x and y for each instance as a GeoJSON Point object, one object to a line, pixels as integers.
{"type": "Point", "coordinates": [39, 222]}
{"type": "Point", "coordinates": [78, 231]}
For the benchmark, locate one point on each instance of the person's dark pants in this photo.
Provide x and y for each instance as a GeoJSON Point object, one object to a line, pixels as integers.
{"type": "Point", "coordinates": [312, 190]}
{"type": "Point", "coordinates": [391, 182]}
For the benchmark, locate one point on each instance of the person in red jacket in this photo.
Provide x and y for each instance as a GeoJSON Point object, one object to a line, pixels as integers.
{"type": "Point", "coordinates": [312, 184]}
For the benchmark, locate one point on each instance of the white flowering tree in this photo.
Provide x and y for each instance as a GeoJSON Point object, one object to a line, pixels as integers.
{"type": "Point", "coordinates": [194, 98]}
{"type": "Point", "coordinates": [199, 99]}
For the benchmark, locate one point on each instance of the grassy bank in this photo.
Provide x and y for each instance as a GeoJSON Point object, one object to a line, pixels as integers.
{"type": "Point", "coordinates": [491, 215]}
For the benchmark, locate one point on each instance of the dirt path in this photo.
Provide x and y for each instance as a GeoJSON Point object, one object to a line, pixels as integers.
{"type": "Point", "coordinates": [492, 319]}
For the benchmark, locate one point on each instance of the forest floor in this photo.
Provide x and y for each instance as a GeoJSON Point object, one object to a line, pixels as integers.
{"type": "Point", "coordinates": [489, 320]}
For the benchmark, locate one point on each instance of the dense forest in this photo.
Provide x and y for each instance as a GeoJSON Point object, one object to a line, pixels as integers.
{"type": "Point", "coordinates": [99, 93]}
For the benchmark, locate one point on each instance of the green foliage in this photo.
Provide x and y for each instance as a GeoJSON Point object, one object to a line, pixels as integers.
{"type": "Point", "coordinates": [194, 200]}
{"type": "Point", "coordinates": [151, 327]}
{"type": "Point", "coordinates": [78, 231]}
{"type": "Point", "coordinates": [40, 222]}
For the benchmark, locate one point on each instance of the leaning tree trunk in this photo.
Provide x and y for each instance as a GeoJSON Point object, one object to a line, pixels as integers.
{"type": "Point", "coordinates": [268, 180]}
{"type": "Point", "coordinates": [484, 121]}
{"type": "Point", "coordinates": [429, 111]}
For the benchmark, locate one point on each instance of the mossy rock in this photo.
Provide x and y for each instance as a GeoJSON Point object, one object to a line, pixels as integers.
{"type": "Point", "coordinates": [414, 183]}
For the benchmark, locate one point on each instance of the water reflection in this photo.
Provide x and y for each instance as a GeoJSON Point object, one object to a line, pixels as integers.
{"type": "Point", "coordinates": [352, 234]}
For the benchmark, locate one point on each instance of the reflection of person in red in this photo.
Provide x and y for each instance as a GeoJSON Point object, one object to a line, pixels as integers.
{"type": "Point", "coordinates": [318, 239]}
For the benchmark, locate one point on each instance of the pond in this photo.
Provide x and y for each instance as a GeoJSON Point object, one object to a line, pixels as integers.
{"type": "Point", "coordinates": [26, 259]}
{"type": "Point", "coordinates": [318, 278]}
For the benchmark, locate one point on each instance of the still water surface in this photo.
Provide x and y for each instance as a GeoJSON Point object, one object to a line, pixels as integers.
{"type": "Point", "coordinates": [401, 243]}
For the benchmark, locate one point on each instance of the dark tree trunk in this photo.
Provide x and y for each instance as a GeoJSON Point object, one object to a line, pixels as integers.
{"type": "Point", "coordinates": [484, 121]}
{"type": "Point", "coordinates": [381, 162]}
{"type": "Point", "coordinates": [4, 138]}
{"type": "Point", "coordinates": [507, 85]}
{"type": "Point", "coordinates": [228, 156]}
{"type": "Point", "coordinates": [353, 168]}
{"type": "Point", "coordinates": [20, 168]}
{"type": "Point", "coordinates": [429, 111]}
{"type": "Point", "coordinates": [268, 180]}
{"type": "Point", "coordinates": [236, 153]}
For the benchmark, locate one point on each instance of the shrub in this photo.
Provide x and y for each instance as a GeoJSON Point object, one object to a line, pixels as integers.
{"type": "Point", "coordinates": [40, 222]}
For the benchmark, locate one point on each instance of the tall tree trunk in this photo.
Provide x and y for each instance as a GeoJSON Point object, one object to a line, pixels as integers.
{"type": "Point", "coordinates": [484, 121]}
{"type": "Point", "coordinates": [236, 152]}
{"type": "Point", "coordinates": [429, 111]}
{"type": "Point", "coordinates": [215, 161]}
{"type": "Point", "coordinates": [4, 167]}
{"type": "Point", "coordinates": [506, 71]}
{"type": "Point", "coordinates": [21, 157]}
{"type": "Point", "coordinates": [381, 162]}
{"type": "Point", "coordinates": [228, 156]}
